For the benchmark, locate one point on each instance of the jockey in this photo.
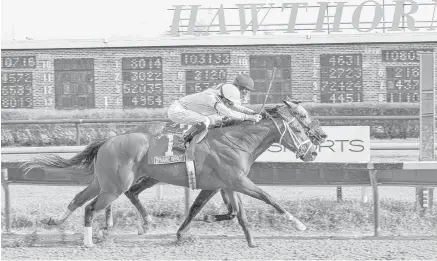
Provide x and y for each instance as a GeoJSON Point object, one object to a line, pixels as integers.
{"type": "Point", "coordinates": [244, 84]}
{"type": "Point", "coordinates": [210, 107]}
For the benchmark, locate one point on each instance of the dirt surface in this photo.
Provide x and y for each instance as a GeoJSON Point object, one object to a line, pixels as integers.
{"type": "Point", "coordinates": [213, 247]}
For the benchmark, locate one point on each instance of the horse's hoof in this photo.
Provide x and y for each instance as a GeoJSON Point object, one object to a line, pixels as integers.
{"type": "Point", "coordinates": [252, 245]}
{"type": "Point", "coordinates": [49, 221]}
{"type": "Point", "coordinates": [300, 226]}
{"type": "Point", "coordinates": [143, 229]}
{"type": "Point", "coordinates": [208, 218]}
{"type": "Point", "coordinates": [179, 235]}
{"type": "Point", "coordinates": [89, 245]}
{"type": "Point", "coordinates": [103, 232]}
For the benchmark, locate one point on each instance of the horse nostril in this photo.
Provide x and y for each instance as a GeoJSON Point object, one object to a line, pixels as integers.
{"type": "Point", "coordinates": [314, 153]}
{"type": "Point", "coordinates": [323, 136]}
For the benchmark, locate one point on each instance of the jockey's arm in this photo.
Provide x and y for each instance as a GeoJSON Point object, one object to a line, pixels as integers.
{"type": "Point", "coordinates": [232, 114]}
{"type": "Point", "coordinates": [242, 109]}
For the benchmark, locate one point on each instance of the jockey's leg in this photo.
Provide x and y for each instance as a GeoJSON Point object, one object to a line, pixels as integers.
{"type": "Point", "coordinates": [179, 114]}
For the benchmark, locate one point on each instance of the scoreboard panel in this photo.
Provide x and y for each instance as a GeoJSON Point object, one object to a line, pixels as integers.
{"type": "Point", "coordinates": [341, 78]}
{"type": "Point", "coordinates": [205, 59]}
{"type": "Point", "coordinates": [261, 69]}
{"type": "Point", "coordinates": [74, 83]}
{"type": "Point", "coordinates": [403, 83]}
{"type": "Point", "coordinates": [201, 79]}
{"type": "Point", "coordinates": [142, 82]}
{"type": "Point", "coordinates": [17, 90]}
{"type": "Point", "coordinates": [18, 62]}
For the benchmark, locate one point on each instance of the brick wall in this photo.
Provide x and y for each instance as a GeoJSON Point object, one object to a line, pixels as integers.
{"type": "Point", "coordinates": [304, 68]}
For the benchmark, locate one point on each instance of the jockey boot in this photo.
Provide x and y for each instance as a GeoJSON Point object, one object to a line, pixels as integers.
{"type": "Point", "coordinates": [193, 131]}
{"type": "Point", "coordinates": [191, 134]}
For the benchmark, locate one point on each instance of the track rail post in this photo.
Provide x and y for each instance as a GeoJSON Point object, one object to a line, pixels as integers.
{"type": "Point", "coordinates": [8, 213]}
{"type": "Point", "coordinates": [376, 203]}
{"type": "Point", "coordinates": [339, 194]}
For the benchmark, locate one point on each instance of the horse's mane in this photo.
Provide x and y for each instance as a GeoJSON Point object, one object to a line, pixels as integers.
{"type": "Point", "coordinates": [272, 111]}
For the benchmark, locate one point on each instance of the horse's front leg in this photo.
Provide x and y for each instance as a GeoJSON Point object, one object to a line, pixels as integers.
{"type": "Point", "coordinates": [246, 186]}
{"type": "Point", "coordinates": [237, 205]}
{"type": "Point", "coordinates": [133, 193]}
{"type": "Point", "coordinates": [203, 197]}
{"type": "Point", "coordinates": [229, 216]}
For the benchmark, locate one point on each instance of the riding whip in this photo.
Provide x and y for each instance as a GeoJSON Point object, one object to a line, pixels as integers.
{"type": "Point", "coordinates": [270, 86]}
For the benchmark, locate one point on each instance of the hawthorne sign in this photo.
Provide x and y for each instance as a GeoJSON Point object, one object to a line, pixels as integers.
{"type": "Point", "coordinates": [401, 15]}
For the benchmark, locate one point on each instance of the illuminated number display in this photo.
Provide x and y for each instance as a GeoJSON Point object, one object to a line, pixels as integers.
{"type": "Point", "coordinates": [341, 78]}
{"type": "Point", "coordinates": [142, 82]}
{"type": "Point", "coordinates": [403, 83]}
{"type": "Point", "coordinates": [19, 62]}
{"type": "Point", "coordinates": [206, 58]}
{"type": "Point", "coordinates": [410, 55]}
{"type": "Point", "coordinates": [74, 83]}
{"type": "Point", "coordinates": [261, 69]}
{"type": "Point", "coordinates": [202, 79]}
{"type": "Point", "coordinates": [17, 90]}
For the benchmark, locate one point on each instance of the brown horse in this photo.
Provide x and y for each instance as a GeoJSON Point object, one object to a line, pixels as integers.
{"type": "Point", "coordinates": [223, 161]}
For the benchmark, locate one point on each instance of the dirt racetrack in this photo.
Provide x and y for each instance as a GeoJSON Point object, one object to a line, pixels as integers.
{"type": "Point", "coordinates": [208, 244]}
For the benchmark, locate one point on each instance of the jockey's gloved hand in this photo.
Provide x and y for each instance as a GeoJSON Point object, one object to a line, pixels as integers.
{"type": "Point", "coordinates": [254, 118]}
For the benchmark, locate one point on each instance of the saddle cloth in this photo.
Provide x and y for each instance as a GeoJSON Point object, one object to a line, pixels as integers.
{"type": "Point", "coordinates": [162, 150]}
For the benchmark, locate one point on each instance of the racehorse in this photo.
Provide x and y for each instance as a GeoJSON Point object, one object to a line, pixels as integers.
{"type": "Point", "coordinates": [223, 160]}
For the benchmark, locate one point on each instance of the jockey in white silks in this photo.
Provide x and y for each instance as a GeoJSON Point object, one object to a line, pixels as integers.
{"type": "Point", "coordinates": [212, 105]}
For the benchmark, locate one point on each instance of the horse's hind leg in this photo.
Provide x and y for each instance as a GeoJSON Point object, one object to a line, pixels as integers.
{"type": "Point", "coordinates": [102, 201]}
{"type": "Point", "coordinates": [109, 222]}
{"type": "Point", "coordinates": [237, 205]}
{"type": "Point", "coordinates": [229, 216]}
{"type": "Point", "coordinates": [203, 197]}
{"type": "Point", "coordinates": [81, 198]}
{"type": "Point", "coordinates": [246, 186]}
{"type": "Point", "coordinates": [133, 193]}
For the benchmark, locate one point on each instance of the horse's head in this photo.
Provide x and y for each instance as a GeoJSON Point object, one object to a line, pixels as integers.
{"type": "Point", "coordinates": [291, 132]}
{"type": "Point", "coordinates": [311, 126]}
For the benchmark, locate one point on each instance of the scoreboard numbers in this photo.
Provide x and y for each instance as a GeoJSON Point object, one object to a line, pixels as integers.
{"type": "Point", "coordinates": [142, 82]}
{"type": "Point", "coordinates": [74, 83]}
{"type": "Point", "coordinates": [408, 55]}
{"type": "Point", "coordinates": [403, 83]}
{"type": "Point", "coordinates": [19, 62]}
{"type": "Point", "coordinates": [341, 78]}
{"type": "Point", "coordinates": [261, 69]}
{"type": "Point", "coordinates": [201, 79]}
{"type": "Point", "coordinates": [206, 59]}
{"type": "Point", "coordinates": [17, 91]}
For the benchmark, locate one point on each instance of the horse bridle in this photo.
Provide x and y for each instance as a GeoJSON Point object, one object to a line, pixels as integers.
{"type": "Point", "coordinates": [297, 144]}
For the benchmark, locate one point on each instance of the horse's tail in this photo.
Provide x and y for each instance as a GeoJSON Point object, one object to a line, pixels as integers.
{"type": "Point", "coordinates": [83, 160]}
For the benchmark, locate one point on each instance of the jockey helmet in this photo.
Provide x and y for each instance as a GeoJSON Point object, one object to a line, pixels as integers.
{"type": "Point", "coordinates": [231, 93]}
{"type": "Point", "coordinates": [244, 81]}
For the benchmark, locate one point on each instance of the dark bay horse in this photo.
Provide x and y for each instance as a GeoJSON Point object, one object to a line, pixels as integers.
{"type": "Point", "coordinates": [223, 161]}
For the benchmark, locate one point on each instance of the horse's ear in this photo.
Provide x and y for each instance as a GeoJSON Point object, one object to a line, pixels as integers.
{"type": "Point", "coordinates": [289, 101]}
